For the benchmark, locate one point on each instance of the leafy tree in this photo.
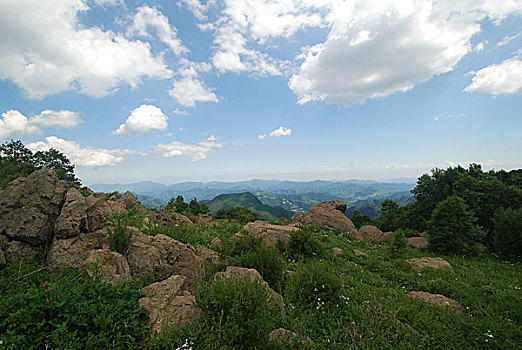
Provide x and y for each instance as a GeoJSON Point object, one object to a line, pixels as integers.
{"type": "Point", "coordinates": [196, 208]}
{"type": "Point", "coordinates": [452, 226]}
{"type": "Point", "coordinates": [360, 219]}
{"type": "Point", "coordinates": [390, 218]}
{"type": "Point", "coordinates": [507, 232]}
{"type": "Point", "coordinates": [241, 214]}
{"type": "Point", "coordinates": [57, 161]}
{"type": "Point", "coordinates": [178, 204]}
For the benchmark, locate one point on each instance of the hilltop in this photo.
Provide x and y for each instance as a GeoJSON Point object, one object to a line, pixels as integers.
{"type": "Point", "coordinates": [247, 200]}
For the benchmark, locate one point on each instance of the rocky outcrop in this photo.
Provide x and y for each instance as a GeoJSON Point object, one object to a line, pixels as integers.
{"type": "Point", "coordinates": [216, 244]}
{"type": "Point", "coordinates": [29, 207]}
{"type": "Point", "coordinates": [73, 216]}
{"type": "Point", "coordinates": [74, 251]}
{"type": "Point", "coordinates": [163, 256]}
{"type": "Point", "coordinates": [204, 219]}
{"type": "Point", "coordinates": [327, 215]}
{"type": "Point", "coordinates": [99, 209]}
{"type": "Point", "coordinates": [438, 299]}
{"type": "Point", "coordinates": [168, 218]}
{"type": "Point", "coordinates": [111, 265]}
{"type": "Point", "coordinates": [419, 242]}
{"type": "Point", "coordinates": [283, 338]}
{"type": "Point", "coordinates": [169, 304]}
{"type": "Point", "coordinates": [374, 234]}
{"type": "Point", "coordinates": [268, 233]}
{"type": "Point", "coordinates": [253, 276]}
{"type": "Point", "coordinates": [208, 256]}
{"type": "Point", "coordinates": [429, 263]}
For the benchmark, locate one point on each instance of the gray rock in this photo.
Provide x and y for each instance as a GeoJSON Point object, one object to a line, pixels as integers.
{"type": "Point", "coordinates": [267, 232]}
{"type": "Point", "coordinates": [112, 265]}
{"type": "Point", "coordinates": [73, 216]}
{"type": "Point", "coordinates": [438, 299]}
{"type": "Point", "coordinates": [74, 251]}
{"type": "Point", "coordinates": [430, 263]}
{"type": "Point", "coordinates": [283, 337]}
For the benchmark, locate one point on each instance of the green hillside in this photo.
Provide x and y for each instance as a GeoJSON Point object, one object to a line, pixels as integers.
{"type": "Point", "coordinates": [247, 200]}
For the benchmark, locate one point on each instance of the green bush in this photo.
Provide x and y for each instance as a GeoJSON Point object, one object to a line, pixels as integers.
{"type": "Point", "coordinates": [399, 243]}
{"type": "Point", "coordinates": [240, 245]}
{"type": "Point", "coordinates": [303, 244]}
{"type": "Point", "coordinates": [67, 310]}
{"type": "Point", "coordinates": [236, 314]}
{"type": "Point", "coordinates": [119, 239]}
{"type": "Point", "coordinates": [507, 233]}
{"type": "Point", "coordinates": [267, 261]}
{"type": "Point", "coordinates": [314, 286]}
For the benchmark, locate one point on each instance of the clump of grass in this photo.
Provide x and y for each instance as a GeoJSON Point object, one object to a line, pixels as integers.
{"type": "Point", "coordinates": [119, 238]}
{"type": "Point", "coordinates": [303, 244]}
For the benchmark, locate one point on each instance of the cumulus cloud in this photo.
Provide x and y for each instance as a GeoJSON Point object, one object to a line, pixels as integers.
{"type": "Point", "coordinates": [46, 51]}
{"type": "Point", "coordinates": [142, 120]}
{"type": "Point", "coordinates": [190, 90]}
{"type": "Point", "coordinates": [15, 124]}
{"type": "Point", "coordinates": [149, 17]}
{"type": "Point", "coordinates": [85, 156]}
{"type": "Point", "coordinates": [197, 151]}
{"type": "Point", "coordinates": [281, 131]}
{"type": "Point", "coordinates": [498, 79]}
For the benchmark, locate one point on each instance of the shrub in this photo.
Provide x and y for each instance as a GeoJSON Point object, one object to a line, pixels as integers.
{"type": "Point", "coordinates": [240, 245]}
{"type": "Point", "coordinates": [452, 226]}
{"type": "Point", "coordinates": [237, 314]}
{"type": "Point", "coordinates": [119, 239]}
{"type": "Point", "coordinates": [399, 243]}
{"type": "Point", "coordinates": [67, 310]}
{"type": "Point", "coordinates": [266, 261]}
{"type": "Point", "coordinates": [314, 286]}
{"type": "Point", "coordinates": [507, 233]}
{"type": "Point", "coordinates": [303, 244]}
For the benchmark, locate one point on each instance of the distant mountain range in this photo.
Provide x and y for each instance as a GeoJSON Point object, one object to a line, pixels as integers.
{"type": "Point", "coordinates": [248, 200]}
{"type": "Point", "coordinates": [290, 195]}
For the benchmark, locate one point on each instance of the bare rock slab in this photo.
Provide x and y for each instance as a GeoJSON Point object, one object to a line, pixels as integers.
{"type": "Point", "coordinates": [267, 232]}
{"type": "Point", "coordinates": [74, 251]}
{"type": "Point", "coordinates": [327, 215]}
{"type": "Point", "coordinates": [169, 304]}
{"type": "Point", "coordinates": [438, 299]}
{"type": "Point", "coordinates": [430, 263]}
{"type": "Point", "coordinates": [374, 234]}
{"type": "Point", "coordinates": [419, 242]}
{"type": "Point", "coordinates": [284, 337]}
{"type": "Point", "coordinates": [112, 265]}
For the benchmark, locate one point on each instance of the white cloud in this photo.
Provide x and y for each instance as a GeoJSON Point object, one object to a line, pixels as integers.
{"type": "Point", "coordinates": [45, 51]}
{"type": "Point", "coordinates": [509, 39]}
{"type": "Point", "coordinates": [86, 156]}
{"type": "Point", "coordinates": [105, 3]}
{"type": "Point", "coordinates": [198, 8]}
{"type": "Point", "coordinates": [14, 124]}
{"type": "Point", "coordinates": [142, 120]}
{"type": "Point", "coordinates": [190, 90]}
{"type": "Point", "coordinates": [149, 17]}
{"type": "Point", "coordinates": [180, 112]}
{"type": "Point", "coordinates": [57, 119]}
{"type": "Point", "coordinates": [281, 131]}
{"type": "Point", "coordinates": [498, 79]}
{"type": "Point", "coordinates": [197, 151]}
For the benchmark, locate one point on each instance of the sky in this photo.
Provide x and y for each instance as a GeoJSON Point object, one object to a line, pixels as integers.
{"type": "Point", "coordinates": [189, 90]}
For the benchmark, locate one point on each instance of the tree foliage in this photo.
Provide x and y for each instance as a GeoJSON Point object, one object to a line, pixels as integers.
{"type": "Point", "coordinates": [241, 214]}
{"type": "Point", "coordinates": [507, 232]}
{"type": "Point", "coordinates": [16, 160]}
{"type": "Point", "coordinates": [190, 209]}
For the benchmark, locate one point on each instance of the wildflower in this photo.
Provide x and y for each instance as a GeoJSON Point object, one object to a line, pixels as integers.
{"type": "Point", "coordinates": [46, 284]}
{"type": "Point", "coordinates": [47, 301]}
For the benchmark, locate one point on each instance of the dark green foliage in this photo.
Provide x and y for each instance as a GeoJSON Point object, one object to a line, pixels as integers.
{"type": "Point", "coordinates": [237, 314]}
{"type": "Point", "coordinates": [303, 244]}
{"type": "Point", "coordinates": [390, 216]}
{"type": "Point", "coordinates": [507, 233]}
{"type": "Point", "coordinates": [66, 310]}
{"type": "Point", "coordinates": [119, 237]}
{"type": "Point", "coordinates": [16, 161]}
{"type": "Point", "coordinates": [267, 261]}
{"type": "Point", "coordinates": [452, 226]}
{"type": "Point", "coordinates": [196, 208]}
{"type": "Point", "coordinates": [228, 201]}
{"type": "Point", "coordinates": [240, 214]}
{"type": "Point", "coordinates": [316, 285]}
{"type": "Point", "coordinates": [240, 245]}
{"type": "Point", "coordinates": [360, 220]}
{"type": "Point", "coordinates": [191, 209]}
{"type": "Point", "coordinates": [178, 205]}
{"type": "Point", "coordinates": [399, 243]}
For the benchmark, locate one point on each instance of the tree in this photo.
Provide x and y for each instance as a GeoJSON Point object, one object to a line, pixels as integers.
{"type": "Point", "coordinates": [360, 219]}
{"type": "Point", "coordinates": [390, 218]}
{"type": "Point", "coordinates": [196, 208]}
{"type": "Point", "coordinates": [57, 161]}
{"type": "Point", "coordinates": [178, 204]}
{"type": "Point", "coordinates": [452, 226]}
{"type": "Point", "coordinates": [506, 235]}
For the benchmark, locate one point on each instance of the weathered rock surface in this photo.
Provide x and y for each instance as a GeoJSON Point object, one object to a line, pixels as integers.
{"type": "Point", "coordinates": [169, 303]}
{"type": "Point", "coordinates": [73, 216]}
{"type": "Point", "coordinates": [359, 253]}
{"type": "Point", "coordinates": [284, 337]}
{"type": "Point", "coordinates": [112, 265]}
{"type": "Point", "coordinates": [168, 218]}
{"type": "Point", "coordinates": [419, 242]}
{"type": "Point", "coordinates": [209, 256]}
{"type": "Point", "coordinates": [327, 215]}
{"type": "Point", "coordinates": [204, 219]}
{"type": "Point", "coordinates": [216, 243]}
{"type": "Point", "coordinates": [74, 251]}
{"type": "Point", "coordinates": [98, 211]}
{"type": "Point", "coordinates": [29, 207]}
{"type": "Point", "coordinates": [374, 234]}
{"type": "Point", "coordinates": [17, 251]}
{"type": "Point", "coordinates": [337, 251]}
{"type": "Point", "coordinates": [164, 257]}
{"type": "Point", "coordinates": [253, 276]}
{"type": "Point", "coordinates": [438, 299]}
{"type": "Point", "coordinates": [267, 232]}
{"type": "Point", "coordinates": [430, 263]}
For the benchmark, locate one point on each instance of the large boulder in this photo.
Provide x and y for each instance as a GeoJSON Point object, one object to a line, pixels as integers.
{"type": "Point", "coordinates": [99, 209]}
{"type": "Point", "coordinates": [208, 256]}
{"type": "Point", "coordinates": [29, 207]}
{"type": "Point", "coordinates": [283, 338]}
{"type": "Point", "coordinates": [74, 251]}
{"type": "Point", "coordinates": [253, 276]}
{"type": "Point", "coordinates": [168, 218]}
{"type": "Point", "coordinates": [429, 263]}
{"type": "Point", "coordinates": [268, 233]}
{"type": "Point", "coordinates": [204, 219]}
{"type": "Point", "coordinates": [438, 299]}
{"type": "Point", "coordinates": [111, 265]}
{"type": "Point", "coordinates": [163, 256]}
{"type": "Point", "coordinates": [169, 304]}
{"type": "Point", "coordinates": [327, 215]}
{"type": "Point", "coordinates": [419, 242]}
{"type": "Point", "coordinates": [73, 216]}
{"type": "Point", "coordinates": [374, 234]}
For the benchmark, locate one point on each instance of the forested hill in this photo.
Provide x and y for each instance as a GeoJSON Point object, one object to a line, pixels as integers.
{"type": "Point", "coordinates": [247, 200]}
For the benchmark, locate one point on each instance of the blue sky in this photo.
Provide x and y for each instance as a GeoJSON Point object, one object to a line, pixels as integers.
{"type": "Point", "coordinates": [193, 90]}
